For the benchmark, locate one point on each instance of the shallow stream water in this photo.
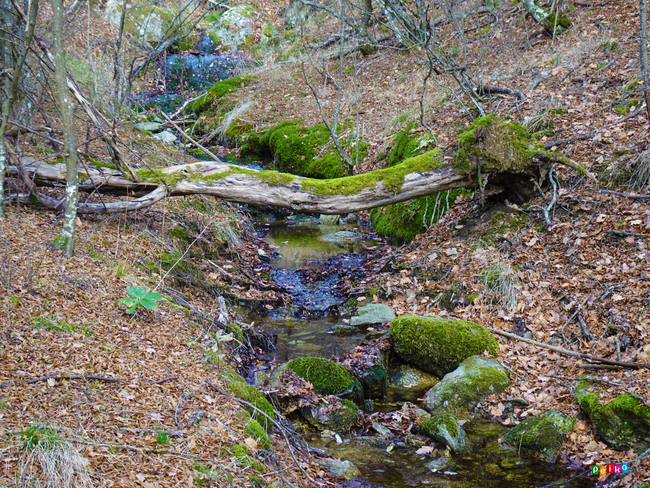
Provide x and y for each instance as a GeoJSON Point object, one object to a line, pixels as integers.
{"type": "Point", "coordinates": [304, 329]}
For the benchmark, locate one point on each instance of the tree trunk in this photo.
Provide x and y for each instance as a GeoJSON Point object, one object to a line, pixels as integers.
{"type": "Point", "coordinates": [11, 83]}
{"type": "Point", "coordinates": [643, 52]}
{"type": "Point", "coordinates": [65, 240]}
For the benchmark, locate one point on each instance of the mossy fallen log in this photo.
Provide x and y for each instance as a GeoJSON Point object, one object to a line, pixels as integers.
{"type": "Point", "coordinates": [491, 152]}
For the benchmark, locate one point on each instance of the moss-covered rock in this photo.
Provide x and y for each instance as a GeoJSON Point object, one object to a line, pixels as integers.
{"type": "Point", "coordinates": [445, 428]}
{"type": "Point", "coordinates": [232, 30]}
{"type": "Point", "coordinates": [374, 381]}
{"type": "Point", "coordinates": [543, 435]}
{"type": "Point", "coordinates": [242, 390]}
{"type": "Point", "coordinates": [498, 146]}
{"type": "Point", "coordinates": [328, 377]}
{"type": "Point", "coordinates": [146, 21]}
{"type": "Point", "coordinates": [622, 424]}
{"type": "Point", "coordinates": [407, 381]}
{"type": "Point", "coordinates": [438, 345]}
{"type": "Point", "coordinates": [460, 390]}
{"type": "Point", "coordinates": [303, 151]}
{"type": "Point", "coordinates": [331, 413]}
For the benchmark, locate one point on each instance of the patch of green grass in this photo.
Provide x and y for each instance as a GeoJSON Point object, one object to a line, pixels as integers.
{"type": "Point", "coordinates": [53, 323]}
{"type": "Point", "coordinates": [503, 282]}
{"type": "Point", "coordinates": [162, 438]}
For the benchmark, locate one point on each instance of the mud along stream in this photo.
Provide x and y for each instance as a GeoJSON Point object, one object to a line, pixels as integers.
{"type": "Point", "coordinates": [318, 264]}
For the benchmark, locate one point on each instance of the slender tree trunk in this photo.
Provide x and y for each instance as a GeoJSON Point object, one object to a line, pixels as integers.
{"type": "Point", "coordinates": [11, 88]}
{"type": "Point", "coordinates": [65, 240]}
{"type": "Point", "coordinates": [643, 51]}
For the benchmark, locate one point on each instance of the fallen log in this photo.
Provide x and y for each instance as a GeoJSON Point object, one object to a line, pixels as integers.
{"type": "Point", "coordinates": [492, 152]}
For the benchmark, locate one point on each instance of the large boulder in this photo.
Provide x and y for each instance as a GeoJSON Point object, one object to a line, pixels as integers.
{"type": "Point", "coordinates": [233, 29]}
{"type": "Point", "coordinates": [146, 21]}
{"type": "Point", "coordinates": [543, 435]}
{"type": "Point", "coordinates": [438, 345]}
{"type": "Point", "coordinates": [328, 377]}
{"type": "Point", "coordinates": [460, 390]}
{"type": "Point", "coordinates": [622, 424]}
{"type": "Point", "coordinates": [444, 428]}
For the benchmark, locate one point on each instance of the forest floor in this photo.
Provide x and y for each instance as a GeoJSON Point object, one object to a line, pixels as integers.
{"type": "Point", "coordinates": [580, 283]}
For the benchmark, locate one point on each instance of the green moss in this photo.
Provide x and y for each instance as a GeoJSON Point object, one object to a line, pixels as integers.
{"type": "Point", "coordinates": [238, 387]}
{"type": "Point", "coordinates": [501, 146]}
{"type": "Point", "coordinates": [256, 431]}
{"type": "Point", "coordinates": [328, 377]}
{"type": "Point", "coordinates": [623, 423]}
{"type": "Point", "coordinates": [391, 178]}
{"type": "Point", "coordinates": [401, 222]}
{"type": "Point", "coordinates": [211, 99]}
{"type": "Point", "coordinates": [179, 233]}
{"type": "Point", "coordinates": [438, 345]}
{"type": "Point", "coordinates": [543, 435]}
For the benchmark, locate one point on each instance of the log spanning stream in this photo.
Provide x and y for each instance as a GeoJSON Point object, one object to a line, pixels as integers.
{"type": "Point", "coordinates": [306, 328]}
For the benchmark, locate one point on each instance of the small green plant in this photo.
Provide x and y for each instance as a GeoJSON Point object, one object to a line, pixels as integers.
{"type": "Point", "coordinates": [162, 438]}
{"type": "Point", "coordinates": [140, 297]}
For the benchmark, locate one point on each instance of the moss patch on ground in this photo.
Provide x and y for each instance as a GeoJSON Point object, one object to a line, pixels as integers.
{"type": "Point", "coordinates": [438, 345]}
{"type": "Point", "coordinates": [210, 101]}
{"type": "Point", "coordinates": [242, 390]}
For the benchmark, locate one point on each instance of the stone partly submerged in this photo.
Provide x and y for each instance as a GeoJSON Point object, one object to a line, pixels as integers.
{"type": "Point", "coordinates": [444, 428]}
{"type": "Point", "coordinates": [331, 413]}
{"type": "Point", "coordinates": [462, 389]}
{"type": "Point", "coordinates": [543, 435]}
{"type": "Point", "coordinates": [438, 345]}
{"type": "Point", "coordinates": [623, 423]}
{"type": "Point", "coordinates": [371, 314]}
{"type": "Point", "coordinates": [344, 469]}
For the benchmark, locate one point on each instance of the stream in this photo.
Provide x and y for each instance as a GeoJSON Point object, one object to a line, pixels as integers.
{"type": "Point", "coordinates": [309, 326]}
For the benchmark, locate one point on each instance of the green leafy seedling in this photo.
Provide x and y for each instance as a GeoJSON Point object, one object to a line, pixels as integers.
{"type": "Point", "coordinates": [140, 297]}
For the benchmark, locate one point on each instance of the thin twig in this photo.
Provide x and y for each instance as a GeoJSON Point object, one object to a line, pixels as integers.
{"type": "Point", "coordinates": [189, 138]}
{"type": "Point", "coordinates": [75, 377]}
{"type": "Point", "coordinates": [625, 195]}
{"type": "Point", "coordinates": [566, 352]}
